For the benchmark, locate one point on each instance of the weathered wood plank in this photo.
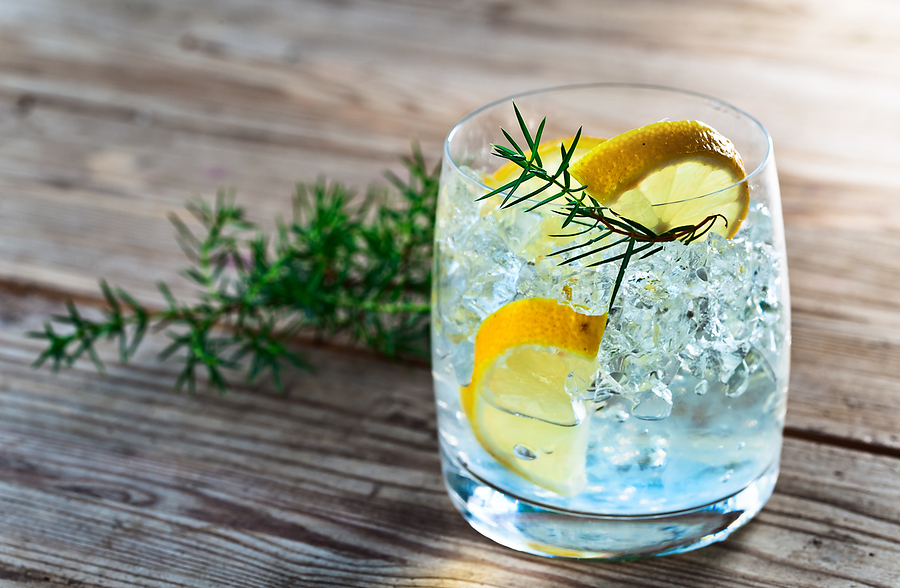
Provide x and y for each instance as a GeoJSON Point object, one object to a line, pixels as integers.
{"type": "Point", "coordinates": [113, 113]}
{"type": "Point", "coordinates": [145, 104]}
{"type": "Point", "coordinates": [117, 481]}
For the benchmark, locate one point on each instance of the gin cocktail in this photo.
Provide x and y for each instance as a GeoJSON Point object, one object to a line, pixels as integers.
{"type": "Point", "coordinates": [610, 321]}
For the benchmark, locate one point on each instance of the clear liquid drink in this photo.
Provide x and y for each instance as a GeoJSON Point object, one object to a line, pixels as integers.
{"type": "Point", "coordinates": [664, 438]}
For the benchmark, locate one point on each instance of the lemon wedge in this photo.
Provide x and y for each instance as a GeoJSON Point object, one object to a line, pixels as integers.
{"type": "Point", "coordinates": [532, 356]}
{"type": "Point", "coordinates": [656, 174]}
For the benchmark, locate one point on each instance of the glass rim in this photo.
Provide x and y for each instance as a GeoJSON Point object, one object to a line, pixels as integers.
{"type": "Point", "coordinates": [622, 85]}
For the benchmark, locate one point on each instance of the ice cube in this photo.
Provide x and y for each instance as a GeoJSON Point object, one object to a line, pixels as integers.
{"type": "Point", "coordinates": [653, 404]}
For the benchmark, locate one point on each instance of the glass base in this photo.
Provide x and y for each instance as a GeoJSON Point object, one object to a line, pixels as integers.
{"type": "Point", "coordinates": [550, 532]}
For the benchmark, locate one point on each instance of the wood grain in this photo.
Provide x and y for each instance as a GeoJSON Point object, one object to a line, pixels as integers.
{"type": "Point", "coordinates": [114, 112]}
{"type": "Point", "coordinates": [118, 481]}
{"type": "Point", "coordinates": [117, 112]}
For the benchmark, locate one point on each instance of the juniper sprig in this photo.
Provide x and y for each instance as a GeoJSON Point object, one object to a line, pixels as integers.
{"type": "Point", "coordinates": [606, 228]}
{"type": "Point", "coordinates": [339, 268]}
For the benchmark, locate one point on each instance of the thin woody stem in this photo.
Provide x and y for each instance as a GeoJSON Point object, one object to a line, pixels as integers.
{"type": "Point", "coordinates": [663, 238]}
{"type": "Point", "coordinates": [575, 209]}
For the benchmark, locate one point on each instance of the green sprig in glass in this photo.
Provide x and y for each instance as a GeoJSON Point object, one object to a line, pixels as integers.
{"type": "Point", "coordinates": [580, 208]}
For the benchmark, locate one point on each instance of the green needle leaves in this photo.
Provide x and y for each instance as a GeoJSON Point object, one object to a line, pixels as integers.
{"type": "Point", "coordinates": [339, 268]}
{"type": "Point", "coordinates": [582, 213]}
{"type": "Point", "coordinates": [559, 183]}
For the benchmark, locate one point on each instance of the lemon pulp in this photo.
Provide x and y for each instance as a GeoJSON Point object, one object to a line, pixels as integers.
{"type": "Point", "coordinates": [667, 175]}
{"type": "Point", "coordinates": [530, 357]}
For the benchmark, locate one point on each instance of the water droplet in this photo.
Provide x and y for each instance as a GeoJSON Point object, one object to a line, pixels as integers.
{"type": "Point", "coordinates": [654, 404]}
{"type": "Point", "coordinates": [741, 445]}
{"type": "Point", "coordinates": [727, 476]}
{"type": "Point", "coordinates": [525, 452]}
{"type": "Point", "coordinates": [701, 388]}
{"type": "Point", "coordinates": [622, 416]}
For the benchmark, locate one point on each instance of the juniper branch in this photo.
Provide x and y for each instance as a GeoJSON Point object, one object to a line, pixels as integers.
{"type": "Point", "coordinates": [337, 268]}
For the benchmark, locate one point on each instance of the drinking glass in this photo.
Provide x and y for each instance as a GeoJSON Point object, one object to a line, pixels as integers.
{"type": "Point", "coordinates": [674, 438]}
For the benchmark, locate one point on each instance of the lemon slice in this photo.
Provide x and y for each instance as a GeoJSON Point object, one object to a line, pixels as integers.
{"type": "Point", "coordinates": [532, 357]}
{"type": "Point", "coordinates": [551, 225]}
{"type": "Point", "coordinates": [654, 175]}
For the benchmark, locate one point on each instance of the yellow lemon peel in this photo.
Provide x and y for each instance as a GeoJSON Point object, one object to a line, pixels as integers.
{"type": "Point", "coordinates": [517, 404]}
{"type": "Point", "coordinates": [668, 174]}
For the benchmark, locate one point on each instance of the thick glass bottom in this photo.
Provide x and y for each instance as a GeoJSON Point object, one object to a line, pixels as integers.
{"type": "Point", "coordinates": [533, 528]}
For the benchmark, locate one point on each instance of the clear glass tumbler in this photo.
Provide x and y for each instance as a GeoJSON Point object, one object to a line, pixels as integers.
{"type": "Point", "coordinates": [666, 440]}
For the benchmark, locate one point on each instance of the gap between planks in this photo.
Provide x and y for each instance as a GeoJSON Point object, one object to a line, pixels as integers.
{"type": "Point", "coordinates": [50, 293]}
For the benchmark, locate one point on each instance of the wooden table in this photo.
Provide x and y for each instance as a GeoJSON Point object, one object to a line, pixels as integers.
{"type": "Point", "coordinates": [114, 112]}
